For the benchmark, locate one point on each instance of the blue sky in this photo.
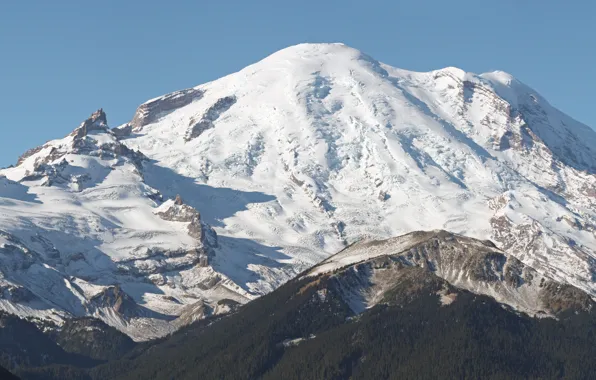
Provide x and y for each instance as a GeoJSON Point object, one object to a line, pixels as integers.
{"type": "Point", "coordinates": [61, 60]}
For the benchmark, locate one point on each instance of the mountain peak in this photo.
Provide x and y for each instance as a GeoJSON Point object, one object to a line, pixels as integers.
{"type": "Point", "coordinates": [97, 121]}
{"type": "Point", "coordinates": [315, 48]}
{"type": "Point", "coordinates": [307, 52]}
{"type": "Point", "coordinates": [455, 71]}
{"type": "Point", "coordinates": [99, 116]}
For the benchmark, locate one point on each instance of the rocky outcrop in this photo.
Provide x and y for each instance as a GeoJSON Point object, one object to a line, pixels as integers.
{"type": "Point", "coordinates": [151, 111]}
{"type": "Point", "coordinates": [201, 310]}
{"type": "Point", "coordinates": [114, 298]}
{"type": "Point", "coordinates": [178, 211]}
{"type": "Point", "coordinates": [122, 131]}
{"type": "Point", "coordinates": [97, 122]}
{"type": "Point", "coordinates": [225, 306]}
{"type": "Point", "coordinates": [28, 154]}
{"type": "Point", "coordinates": [191, 313]}
{"type": "Point", "coordinates": [14, 254]}
{"type": "Point", "coordinates": [157, 262]}
{"type": "Point", "coordinates": [51, 173]}
{"type": "Point", "coordinates": [53, 155]}
{"type": "Point", "coordinates": [560, 298]}
{"type": "Point", "coordinates": [197, 127]}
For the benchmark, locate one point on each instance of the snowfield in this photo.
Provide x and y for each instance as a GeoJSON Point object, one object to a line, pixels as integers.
{"type": "Point", "coordinates": [289, 160]}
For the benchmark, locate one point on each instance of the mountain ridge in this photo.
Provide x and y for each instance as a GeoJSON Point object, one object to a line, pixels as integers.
{"type": "Point", "coordinates": [310, 328]}
{"type": "Point", "coordinates": [468, 264]}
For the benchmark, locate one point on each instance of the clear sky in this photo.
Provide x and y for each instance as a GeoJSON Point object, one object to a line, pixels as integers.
{"type": "Point", "coordinates": [61, 60]}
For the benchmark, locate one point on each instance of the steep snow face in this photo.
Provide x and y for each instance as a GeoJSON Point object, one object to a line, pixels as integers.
{"type": "Point", "coordinates": [289, 160]}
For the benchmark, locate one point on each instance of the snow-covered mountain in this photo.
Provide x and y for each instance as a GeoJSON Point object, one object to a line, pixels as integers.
{"type": "Point", "coordinates": [216, 194]}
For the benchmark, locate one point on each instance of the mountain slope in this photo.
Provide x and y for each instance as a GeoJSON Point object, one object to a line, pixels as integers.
{"type": "Point", "coordinates": [418, 325]}
{"type": "Point", "coordinates": [227, 190]}
{"type": "Point", "coordinates": [476, 266]}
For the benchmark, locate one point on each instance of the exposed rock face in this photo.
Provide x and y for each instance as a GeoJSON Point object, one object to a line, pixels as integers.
{"type": "Point", "coordinates": [197, 127]}
{"type": "Point", "coordinates": [537, 245]}
{"type": "Point", "coordinates": [158, 261]}
{"type": "Point", "coordinates": [14, 253]}
{"type": "Point", "coordinates": [151, 111]}
{"type": "Point", "coordinates": [97, 122]}
{"type": "Point", "coordinates": [51, 173]}
{"type": "Point", "coordinates": [225, 306]}
{"type": "Point", "coordinates": [122, 131]}
{"type": "Point", "coordinates": [200, 310]}
{"type": "Point", "coordinates": [116, 299]}
{"type": "Point", "coordinates": [191, 313]}
{"type": "Point", "coordinates": [177, 211]}
{"type": "Point", "coordinates": [180, 212]}
{"type": "Point", "coordinates": [178, 200]}
{"type": "Point", "coordinates": [365, 272]}
{"type": "Point", "coordinates": [560, 298]}
{"type": "Point", "coordinates": [28, 154]}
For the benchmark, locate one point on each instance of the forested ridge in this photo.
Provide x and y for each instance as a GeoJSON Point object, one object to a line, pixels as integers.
{"type": "Point", "coordinates": [413, 337]}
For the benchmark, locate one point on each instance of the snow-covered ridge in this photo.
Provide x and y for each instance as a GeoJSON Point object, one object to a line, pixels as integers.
{"type": "Point", "coordinates": [288, 161]}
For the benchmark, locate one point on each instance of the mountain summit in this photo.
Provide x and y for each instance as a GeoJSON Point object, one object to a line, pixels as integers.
{"type": "Point", "coordinates": [279, 166]}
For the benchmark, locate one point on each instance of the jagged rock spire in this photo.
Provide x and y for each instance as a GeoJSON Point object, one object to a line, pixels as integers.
{"type": "Point", "coordinates": [97, 121]}
{"type": "Point", "coordinates": [100, 116]}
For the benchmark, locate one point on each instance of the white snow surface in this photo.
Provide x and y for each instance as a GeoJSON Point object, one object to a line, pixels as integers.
{"type": "Point", "coordinates": [314, 147]}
